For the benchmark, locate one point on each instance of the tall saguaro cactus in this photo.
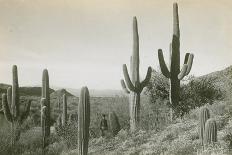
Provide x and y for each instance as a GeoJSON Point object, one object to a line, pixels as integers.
{"type": "Point", "coordinates": [133, 83]}
{"type": "Point", "coordinates": [174, 73]}
{"type": "Point", "coordinates": [63, 119]}
{"type": "Point", "coordinates": [11, 107]}
{"type": "Point", "coordinates": [204, 116]}
{"type": "Point", "coordinates": [83, 121]}
{"type": "Point", "coordinates": [65, 110]}
{"type": "Point", "coordinates": [46, 96]}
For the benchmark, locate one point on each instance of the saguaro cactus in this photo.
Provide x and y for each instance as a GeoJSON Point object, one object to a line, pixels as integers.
{"type": "Point", "coordinates": [11, 107]}
{"type": "Point", "coordinates": [83, 121]}
{"type": "Point", "coordinates": [65, 112]}
{"type": "Point", "coordinates": [46, 96]}
{"type": "Point", "coordinates": [133, 83]}
{"type": "Point", "coordinates": [62, 121]}
{"type": "Point", "coordinates": [174, 73]}
{"type": "Point", "coordinates": [114, 123]}
{"type": "Point", "coordinates": [43, 124]}
{"type": "Point", "coordinates": [210, 135]}
{"type": "Point", "coordinates": [204, 116]}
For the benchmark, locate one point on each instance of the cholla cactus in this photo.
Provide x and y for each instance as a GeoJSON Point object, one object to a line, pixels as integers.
{"type": "Point", "coordinates": [83, 121]}
{"type": "Point", "coordinates": [11, 107]}
{"type": "Point", "coordinates": [114, 123]}
{"type": "Point", "coordinates": [204, 116]}
{"type": "Point", "coordinates": [174, 73]}
{"type": "Point", "coordinates": [210, 135]}
{"type": "Point", "coordinates": [133, 83]}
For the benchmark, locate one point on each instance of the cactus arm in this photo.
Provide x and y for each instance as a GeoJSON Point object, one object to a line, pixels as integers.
{"type": "Point", "coordinates": [189, 63]}
{"type": "Point", "coordinates": [147, 78]}
{"type": "Point", "coordinates": [186, 58]}
{"type": "Point", "coordinates": [26, 113]}
{"type": "Point", "coordinates": [9, 96]}
{"type": "Point", "coordinates": [124, 86]}
{"type": "Point", "coordinates": [183, 72]}
{"type": "Point", "coordinates": [127, 79]}
{"type": "Point", "coordinates": [163, 66]}
{"type": "Point", "coordinates": [6, 108]}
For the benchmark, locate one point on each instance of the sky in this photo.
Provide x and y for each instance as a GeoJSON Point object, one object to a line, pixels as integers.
{"type": "Point", "coordinates": [85, 42]}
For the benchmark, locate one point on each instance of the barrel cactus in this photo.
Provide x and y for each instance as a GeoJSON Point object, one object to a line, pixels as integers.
{"type": "Point", "coordinates": [114, 123]}
{"type": "Point", "coordinates": [11, 107]}
{"type": "Point", "coordinates": [173, 72]}
{"type": "Point", "coordinates": [204, 116]}
{"type": "Point", "coordinates": [133, 85]}
{"type": "Point", "coordinates": [83, 121]}
{"type": "Point", "coordinates": [210, 134]}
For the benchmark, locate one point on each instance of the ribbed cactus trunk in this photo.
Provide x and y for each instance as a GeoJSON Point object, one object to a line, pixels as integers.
{"type": "Point", "coordinates": [65, 110]}
{"type": "Point", "coordinates": [210, 134]}
{"type": "Point", "coordinates": [46, 96]}
{"type": "Point", "coordinates": [43, 125]}
{"type": "Point", "coordinates": [174, 73]}
{"type": "Point", "coordinates": [83, 121]}
{"type": "Point", "coordinates": [134, 110]}
{"type": "Point", "coordinates": [204, 116]}
{"type": "Point", "coordinates": [11, 108]}
{"type": "Point", "coordinates": [133, 82]}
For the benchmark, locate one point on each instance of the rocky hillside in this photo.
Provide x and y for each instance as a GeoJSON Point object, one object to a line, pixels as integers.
{"type": "Point", "coordinates": [221, 79]}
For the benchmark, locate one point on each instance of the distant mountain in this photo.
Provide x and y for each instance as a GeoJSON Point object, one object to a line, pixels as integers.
{"type": "Point", "coordinates": [98, 93]}
{"type": "Point", "coordinates": [24, 91]}
{"type": "Point", "coordinates": [61, 92]}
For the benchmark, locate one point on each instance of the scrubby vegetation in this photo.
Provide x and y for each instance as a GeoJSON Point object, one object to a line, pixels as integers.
{"type": "Point", "coordinates": [157, 116]}
{"type": "Point", "coordinates": [156, 135]}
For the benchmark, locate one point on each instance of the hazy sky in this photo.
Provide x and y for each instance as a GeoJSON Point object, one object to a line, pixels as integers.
{"type": "Point", "coordinates": [85, 42]}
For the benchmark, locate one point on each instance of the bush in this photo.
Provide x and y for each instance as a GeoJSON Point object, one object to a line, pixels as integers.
{"type": "Point", "coordinates": [194, 92]}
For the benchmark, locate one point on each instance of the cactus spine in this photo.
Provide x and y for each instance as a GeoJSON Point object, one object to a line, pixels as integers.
{"type": "Point", "coordinates": [46, 96]}
{"type": "Point", "coordinates": [11, 108]}
{"type": "Point", "coordinates": [204, 116]}
{"type": "Point", "coordinates": [114, 123]}
{"type": "Point", "coordinates": [83, 121]}
{"type": "Point", "coordinates": [133, 83]}
{"type": "Point", "coordinates": [210, 135]}
{"type": "Point", "coordinates": [174, 73]}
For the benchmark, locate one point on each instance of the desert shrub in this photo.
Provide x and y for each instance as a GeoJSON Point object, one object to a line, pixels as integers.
{"type": "Point", "coordinates": [227, 135]}
{"type": "Point", "coordinates": [194, 92]}
{"type": "Point", "coordinates": [5, 142]}
{"type": "Point", "coordinates": [68, 134]}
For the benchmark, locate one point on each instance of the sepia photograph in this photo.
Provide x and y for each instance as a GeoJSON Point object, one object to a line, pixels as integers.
{"type": "Point", "coordinates": [115, 77]}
